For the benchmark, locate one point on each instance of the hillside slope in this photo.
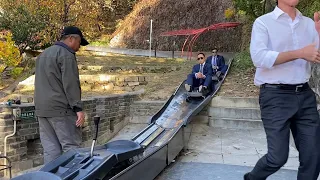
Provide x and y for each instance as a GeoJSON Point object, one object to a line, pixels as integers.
{"type": "Point", "coordinates": [170, 15]}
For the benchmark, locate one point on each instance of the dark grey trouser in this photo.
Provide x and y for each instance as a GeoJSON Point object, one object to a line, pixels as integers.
{"type": "Point", "coordinates": [282, 110]}
{"type": "Point", "coordinates": [58, 135]}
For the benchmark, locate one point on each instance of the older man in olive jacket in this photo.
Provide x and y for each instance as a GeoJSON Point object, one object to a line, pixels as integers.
{"type": "Point", "coordinates": [58, 95]}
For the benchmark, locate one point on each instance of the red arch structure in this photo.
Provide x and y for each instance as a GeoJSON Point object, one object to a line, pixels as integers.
{"type": "Point", "coordinates": [193, 34]}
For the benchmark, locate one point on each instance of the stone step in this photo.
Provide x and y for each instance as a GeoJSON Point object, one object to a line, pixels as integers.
{"type": "Point", "coordinates": [129, 69]}
{"type": "Point", "coordinates": [235, 123]}
{"type": "Point", "coordinates": [236, 102]}
{"type": "Point", "coordinates": [234, 113]}
{"type": "Point", "coordinates": [103, 79]}
{"type": "Point", "coordinates": [112, 87]}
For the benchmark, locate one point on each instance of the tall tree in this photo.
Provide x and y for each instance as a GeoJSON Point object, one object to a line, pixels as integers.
{"type": "Point", "coordinates": [254, 8]}
{"type": "Point", "coordinates": [38, 23]}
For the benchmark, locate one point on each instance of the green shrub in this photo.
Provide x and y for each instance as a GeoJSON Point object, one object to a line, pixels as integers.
{"type": "Point", "coordinates": [16, 72]}
{"type": "Point", "coordinates": [242, 61]}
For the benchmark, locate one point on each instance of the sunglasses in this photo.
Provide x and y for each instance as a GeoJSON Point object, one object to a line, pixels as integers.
{"type": "Point", "coordinates": [214, 51]}
{"type": "Point", "coordinates": [200, 58]}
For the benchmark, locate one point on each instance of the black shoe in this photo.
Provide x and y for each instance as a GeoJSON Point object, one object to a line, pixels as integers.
{"type": "Point", "coordinates": [246, 176]}
{"type": "Point", "coordinates": [204, 90]}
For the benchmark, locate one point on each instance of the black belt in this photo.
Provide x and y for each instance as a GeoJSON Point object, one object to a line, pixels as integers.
{"type": "Point", "coordinates": [294, 87]}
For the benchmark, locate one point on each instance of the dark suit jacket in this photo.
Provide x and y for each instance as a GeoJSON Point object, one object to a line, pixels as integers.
{"type": "Point", "coordinates": [207, 69]}
{"type": "Point", "coordinates": [220, 62]}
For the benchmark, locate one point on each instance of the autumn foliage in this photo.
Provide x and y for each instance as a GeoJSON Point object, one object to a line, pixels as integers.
{"type": "Point", "coordinates": [9, 53]}
{"type": "Point", "coordinates": [36, 24]}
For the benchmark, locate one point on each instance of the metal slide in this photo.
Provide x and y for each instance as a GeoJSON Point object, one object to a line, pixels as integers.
{"type": "Point", "coordinates": [142, 158]}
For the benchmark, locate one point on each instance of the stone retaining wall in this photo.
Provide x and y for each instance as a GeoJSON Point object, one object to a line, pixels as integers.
{"type": "Point", "coordinates": [24, 148]}
{"type": "Point", "coordinates": [104, 82]}
{"type": "Point", "coordinates": [130, 69]}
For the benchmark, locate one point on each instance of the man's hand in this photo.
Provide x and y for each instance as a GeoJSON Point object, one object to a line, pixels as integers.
{"type": "Point", "coordinates": [310, 53]}
{"type": "Point", "coordinates": [199, 75]}
{"type": "Point", "coordinates": [317, 21]}
{"type": "Point", "coordinates": [80, 120]}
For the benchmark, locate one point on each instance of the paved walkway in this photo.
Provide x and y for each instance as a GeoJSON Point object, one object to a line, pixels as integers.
{"type": "Point", "coordinates": [142, 52]}
{"type": "Point", "coordinates": [218, 153]}
{"type": "Point", "coordinates": [230, 146]}
{"type": "Point", "coordinates": [213, 171]}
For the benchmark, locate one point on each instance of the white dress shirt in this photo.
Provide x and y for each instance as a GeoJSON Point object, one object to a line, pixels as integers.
{"type": "Point", "coordinates": [214, 60]}
{"type": "Point", "coordinates": [276, 32]}
{"type": "Point", "coordinates": [200, 70]}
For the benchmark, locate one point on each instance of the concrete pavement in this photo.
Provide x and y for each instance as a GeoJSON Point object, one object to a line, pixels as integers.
{"type": "Point", "coordinates": [218, 153]}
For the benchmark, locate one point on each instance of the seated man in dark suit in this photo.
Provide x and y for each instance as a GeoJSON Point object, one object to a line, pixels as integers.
{"type": "Point", "coordinates": [218, 64]}
{"type": "Point", "coordinates": [200, 77]}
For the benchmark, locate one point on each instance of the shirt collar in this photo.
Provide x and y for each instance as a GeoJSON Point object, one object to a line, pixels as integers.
{"type": "Point", "coordinates": [277, 12]}
{"type": "Point", "coordinates": [65, 46]}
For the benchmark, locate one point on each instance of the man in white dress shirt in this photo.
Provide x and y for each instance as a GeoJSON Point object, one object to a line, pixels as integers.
{"type": "Point", "coordinates": [284, 44]}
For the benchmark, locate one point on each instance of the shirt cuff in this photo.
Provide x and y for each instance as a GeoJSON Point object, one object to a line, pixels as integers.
{"type": "Point", "coordinates": [77, 109]}
{"type": "Point", "coordinates": [271, 58]}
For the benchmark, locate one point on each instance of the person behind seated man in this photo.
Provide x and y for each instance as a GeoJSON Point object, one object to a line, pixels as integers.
{"type": "Point", "coordinates": [217, 63]}
{"type": "Point", "coordinates": [200, 77]}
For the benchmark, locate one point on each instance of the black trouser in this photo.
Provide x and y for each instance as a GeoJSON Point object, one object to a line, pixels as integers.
{"type": "Point", "coordinates": [282, 110]}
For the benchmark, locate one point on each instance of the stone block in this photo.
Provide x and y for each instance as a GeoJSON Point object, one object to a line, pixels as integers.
{"type": "Point", "coordinates": [38, 161]}
{"type": "Point", "coordinates": [11, 153]}
{"type": "Point", "coordinates": [235, 113]}
{"type": "Point", "coordinates": [235, 102]}
{"type": "Point", "coordinates": [6, 115]}
{"type": "Point", "coordinates": [94, 68]}
{"type": "Point", "coordinates": [235, 123]}
{"type": "Point", "coordinates": [133, 83]}
{"type": "Point", "coordinates": [100, 107]}
{"type": "Point", "coordinates": [23, 165]}
{"type": "Point", "coordinates": [142, 84]}
{"type": "Point", "coordinates": [24, 132]}
{"type": "Point", "coordinates": [5, 109]}
{"type": "Point", "coordinates": [14, 157]}
{"type": "Point", "coordinates": [35, 125]}
{"type": "Point", "coordinates": [141, 78]}
{"type": "Point", "coordinates": [7, 128]}
{"type": "Point", "coordinates": [121, 83]}
{"type": "Point", "coordinates": [21, 151]}
{"type": "Point", "coordinates": [6, 122]}
{"type": "Point", "coordinates": [25, 126]}
{"type": "Point", "coordinates": [31, 136]}
{"type": "Point", "coordinates": [13, 139]}
{"type": "Point", "coordinates": [149, 78]}
{"type": "Point", "coordinates": [129, 89]}
{"type": "Point", "coordinates": [132, 79]}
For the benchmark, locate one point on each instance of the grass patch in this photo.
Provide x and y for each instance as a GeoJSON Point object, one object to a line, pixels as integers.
{"type": "Point", "coordinates": [104, 40]}
{"type": "Point", "coordinates": [124, 60]}
{"type": "Point", "coordinates": [100, 43]}
{"type": "Point", "coordinates": [242, 62]}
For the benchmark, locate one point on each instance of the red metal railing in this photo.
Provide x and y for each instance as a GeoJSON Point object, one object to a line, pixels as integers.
{"type": "Point", "coordinates": [195, 33]}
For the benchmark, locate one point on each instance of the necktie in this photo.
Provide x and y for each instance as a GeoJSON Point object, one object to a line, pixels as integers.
{"type": "Point", "coordinates": [201, 68]}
